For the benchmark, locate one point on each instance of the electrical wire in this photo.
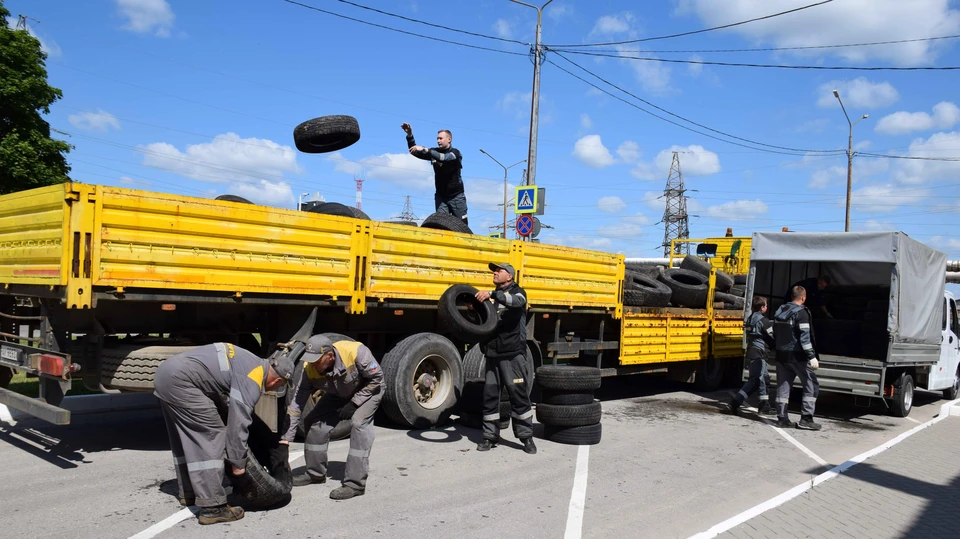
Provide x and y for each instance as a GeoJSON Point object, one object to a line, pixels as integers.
{"type": "Point", "coordinates": [909, 157]}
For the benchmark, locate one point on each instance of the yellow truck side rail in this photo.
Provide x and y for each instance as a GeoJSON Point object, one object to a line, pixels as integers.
{"type": "Point", "coordinates": [727, 259]}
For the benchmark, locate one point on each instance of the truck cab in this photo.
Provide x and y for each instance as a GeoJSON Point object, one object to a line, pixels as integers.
{"type": "Point", "coordinates": [945, 375]}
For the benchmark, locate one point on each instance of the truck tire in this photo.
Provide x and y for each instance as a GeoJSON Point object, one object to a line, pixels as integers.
{"type": "Point", "coordinates": [359, 214]}
{"type": "Point", "coordinates": [644, 269]}
{"type": "Point", "coordinates": [902, 401]}
{"type": "Point", "coordinates": [575, 415]}
{"type": "Point", "coordinates": [233, 198]}
{"type": "Point", "coordinates": [326, 134]}
{"type": "Point", "coordinates": [472, 325]}
{"type": "Point", "coordinates": [132, 368]}
{"type": "Point", "coordinates": [709, 374]}
{"type": "Point", "coordinates": [414, 362]}
{"type": "Point", "coordinates": [730, 299]}
{"type": "Point", "coordinates": [692, 263]}
{"type": "Point", "coordinates": [445, 221]}
{"type": "Point", "coordinates": [332, 208]}
{"type": "Point", "coordinates": [566, 398]}
{"type": "Point", "coordinates": [474, 365]}
{"type": "Point", "coordinates": [689, 289]}
{"type": "Point", "coordinates": [6, 374]}
{"type": "Point", "coordinates": [568, 378]}
{"type": "Point", "coordinates": [264, 487]}
{"type": "Point", "coordinates": [586, 435]}
{"type": "Point", "coordinates": [643, 291]}
{"type": "Point", "coordinates": [952, 392]}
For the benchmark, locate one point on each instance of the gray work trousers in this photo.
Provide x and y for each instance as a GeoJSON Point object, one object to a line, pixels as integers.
{"type": "Point", "coordinates": [455, 205]}
{"type": "Point", "coordinates": [787, 372]}
{"type": "Point", "coordinates": [318, 424]}
{"type": "Point", "coordinates": [197, 438]}
{"type": "Point", "coordinates": [512, 374]}
{"type": "Point", "coordinates": [759, 377]}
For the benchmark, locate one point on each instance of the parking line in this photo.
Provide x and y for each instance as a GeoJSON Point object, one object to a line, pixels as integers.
{"type": "Point", "coordinates": [183, 514]}
{"type": "Point", "coordinates": [736, 520]}
{"type": "Point", "coordinates": [578, 495]}
{"type": "Point", "coordinates": [914, 420]}
{"type": "Point", "coordinates": [801, 447]}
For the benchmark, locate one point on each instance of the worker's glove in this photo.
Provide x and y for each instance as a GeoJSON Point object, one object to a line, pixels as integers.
{"type": "Point", "coordinates": [348, 410]}
{"type": "Point", "coordinates": [814, 364]}
{"type": "Point", "coordinates": [279, 458]}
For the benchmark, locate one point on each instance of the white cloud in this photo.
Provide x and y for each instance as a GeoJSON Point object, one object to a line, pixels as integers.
{"type": "Point", "coordinates": [695, 160]}
{"type": "Point", "coordinates": [653, 200]}
{"type": "Point", "coordinates": [739, 210]}
{"type": "Point", "coordinates": [590, 151]}
{"type": "Point", "coordinates": [629, 227]}
{"type": "Point", "coordinates": [266, 192]}
{"type": "Point", "coordinates": [47, 45]}
{"type": "Point", "coordinates": [585, 121]}
{"type": "Point", "coordinates": [877, 226]}
{"type": "Point", "coordinates": [850, 21]}
{"type": "Point", "coordinates": [503, 28]}
{"type": "Point", "coordinates": [487, 195]}
{"type": "Point", "coordinates": [558, 11]}
{"type": "Point", "coordinates": [857, 93]}
{"type": "Point", "coordinates": [823, 178]}
{"type": "Point", "coordinates": [517, 104]}
{"type": "Point", "coordinates": [94, 121]}
{"type": "Point", "coordinates": [611, 204]}
{"type": "Point", "coordinates": [884, 198]}
{"type": "Point", "coordinates": [645, 171]}
{"type": "Point", "coordinates": [695, 69]}
{"type": "Point", "coordinates": [613, 24]}
{"type": "Point", "coordinates": [226, 158]}
{"type": "Point", "coordinates": [938, 145]}
{"type": "Point", "coordinates": [147, 16]}
{"type": "Point", "coordinates": [397, 168]}
{"type": "Point", "coordinates": [653, 76]}
{"type": "Point", "coordinates": [629, 152]}
{"type": "Point", "coordinates": [945, 116]}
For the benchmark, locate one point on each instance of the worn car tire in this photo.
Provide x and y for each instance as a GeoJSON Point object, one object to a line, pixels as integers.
{"type": "Point", "coordinates": [568, 378]}
{"type": "Point", "coordinates": [423, 352]}
{"type": "Point", "coordinates": [692, 263]}
{"type": "Point", "coordinates": [738, 290]}
{"type": "Point", "coordinates": [740, 279]}
{"type": "Point", "coordinates": [689, 289]}
{"type": "Point", "coordinates": [649, 270]}
{"type": "Point", "coordinates": [643, 291]}
{"type": "Point", "coordinates": [445, 221]}
{"type": "Point", "coordinates": [267, 487]}
{"type": "Point", "coordinates": [730, 299]}
{"type": "Point", "coordinates": [326, 134]}
{"type": "Point", "coordinates": [585, 435]}
{"type": "Point", "coordinates": [472, 325]}
{"type": "Point", "coordinates": [566, 398]}
{"type": "Point", "coordinates": [570, 415]}
{"type": "Point", "coordinates": [132, 368]}
{"type": "Point", "coordinates": [233, 198]}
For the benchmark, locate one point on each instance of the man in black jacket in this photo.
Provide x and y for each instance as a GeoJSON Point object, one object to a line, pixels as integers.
{"type": "Point", "coordinates": [506, 366]}
{"type": "Point", "coordinates": [447, 163]}
{"type": "Point", "coordinates": [791, 328]}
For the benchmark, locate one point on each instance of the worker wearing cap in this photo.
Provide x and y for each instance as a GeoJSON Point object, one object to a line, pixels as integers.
{"type": "Point", "coordinates": [506, 354]}
{"type": "Point", "coordinates": [352, 382]}
{"type": "Point", "coordinates": [193, 388]}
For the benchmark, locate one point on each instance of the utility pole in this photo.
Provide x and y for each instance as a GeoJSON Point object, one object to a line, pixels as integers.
{"type": "Point", "coordinates": [359, 182]}
{"type": "Point", "coordinates": [300, 200]}
{"type": "Point", "coordinates": [537, 51]}
{"type": "Point", "coordinates": [836, 93]}
{"type": "Point", "coordinates": [505, 169]}
{"type": "Point", "coordinates": [676, 222]}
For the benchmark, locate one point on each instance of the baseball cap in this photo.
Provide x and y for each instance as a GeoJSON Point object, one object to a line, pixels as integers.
{"type": "Point", "coordinates": [317, 346]}
{"type": "Point", "coordinates": [506, 266]}
{"type": "Point", "coordinates": [283, 367]}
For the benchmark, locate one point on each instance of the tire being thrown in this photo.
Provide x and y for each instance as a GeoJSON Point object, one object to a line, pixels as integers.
{"type": "Point", "coordinates": [326, 134]}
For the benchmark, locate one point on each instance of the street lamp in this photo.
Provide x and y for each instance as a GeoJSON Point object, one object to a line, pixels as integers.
{"type": "Point", "coordinates": [836, 93]}
{"type": "Point", "coordinates": [534, 98]}
{"type": "Point", "coordinates": [505, 169]}
{"type": "Point", "coordinates": [300, 200]}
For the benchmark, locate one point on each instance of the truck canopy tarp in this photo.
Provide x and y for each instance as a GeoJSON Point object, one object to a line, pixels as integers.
{"type": "Point", "coordinates": [916, 276]}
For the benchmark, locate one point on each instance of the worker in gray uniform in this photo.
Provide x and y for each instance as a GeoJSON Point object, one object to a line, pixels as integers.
{"type": "Point", "coordinates": [352, 382]}
{"type": "Point", "coordinates": [506, 354]}
{"type": "Point", "coordinates": [195, 388]}
{"type": "Point", "coordinates": [791, 330]}
{"type": "Point", "coordinates": [760, 341]}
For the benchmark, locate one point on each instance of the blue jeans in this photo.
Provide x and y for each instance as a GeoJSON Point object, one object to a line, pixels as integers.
{"type": "Point", "coordinates": [456, 205]}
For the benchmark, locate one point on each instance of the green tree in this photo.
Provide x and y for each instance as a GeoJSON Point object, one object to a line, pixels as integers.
{"type": "Point", "coordinates": [29, 158]}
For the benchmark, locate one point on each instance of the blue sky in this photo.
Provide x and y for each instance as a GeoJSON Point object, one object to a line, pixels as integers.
{"type": "Point", "coordinates": [201, 98]}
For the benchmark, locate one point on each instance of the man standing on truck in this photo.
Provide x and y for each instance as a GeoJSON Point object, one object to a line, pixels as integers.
{"type": "Point", "coordinates": [506, 355]}
{"type": "Point", "coordinates": [794, 352]}
{"type": "Point", "coordinates": [760, 342]}
{"type": "Point", "coordinates": [352, 382]}
{"type": "Point", "coordinates": [447, 164]}
{"type": "Point", "coordinates": [193, 387]}
{"type": "Point", "coordinates": [814, 287]}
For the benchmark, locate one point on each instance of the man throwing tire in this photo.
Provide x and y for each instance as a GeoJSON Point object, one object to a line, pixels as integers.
{"type": "Point", "coordinates": [352, 382]}
{"type": "Point", "coordinates": [506, 366]}
{"type": "Point", "coordinates": [447, 164]}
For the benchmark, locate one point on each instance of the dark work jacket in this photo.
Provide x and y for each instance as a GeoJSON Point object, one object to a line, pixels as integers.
{"type": "Point", "coordinates": [511, 336]}
{"type": "Point", "coordinates": [792, 332]}
{"type": "Point", "coordinates": [760, 338]}
{"type": "Point", "coordinates": [447, 164]}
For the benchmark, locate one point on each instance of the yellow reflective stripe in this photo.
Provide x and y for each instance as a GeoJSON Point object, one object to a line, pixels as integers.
{"type": "Point", "coordinates": [257, 375]}
{"type": "Point", "coordinates": [347, 351]}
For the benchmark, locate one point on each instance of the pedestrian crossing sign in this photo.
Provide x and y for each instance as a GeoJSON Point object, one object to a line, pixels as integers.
{"type": "Point", "coordinates": [526, 198]}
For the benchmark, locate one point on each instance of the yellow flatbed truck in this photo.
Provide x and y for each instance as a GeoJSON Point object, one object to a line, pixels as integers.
{"type": "Point", "coordinates": [106, 283]}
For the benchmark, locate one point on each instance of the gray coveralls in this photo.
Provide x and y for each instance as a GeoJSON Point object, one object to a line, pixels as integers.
{"type": "Point", "coordinates": [507, 366]}
{"type": "Point", "coordinates": [794, 351]}
{"type": "Point", "coordinates": [759, 342]}
{"type": "Point", "coordinates": [355, 377]}
{"type": "Point", "coordinates": [194, 387]}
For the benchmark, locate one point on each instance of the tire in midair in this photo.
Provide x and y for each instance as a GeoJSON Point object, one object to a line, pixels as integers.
{"type": "Point", "coordinates": [326, 134]}
{"type": "Point", "coordinates": [430, 353]}
{"type": "Point", "coordinates": [446, 221]}
{"type": "Point", "coordinates": [477, 322]}
{"type": "Point", "coordinates": [689, 288]}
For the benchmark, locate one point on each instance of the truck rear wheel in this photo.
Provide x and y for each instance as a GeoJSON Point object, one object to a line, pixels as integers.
{"type": "Point", "coordinates": [6, 374]}
{"type": "Point", "coordinates": [709, 374]}
{"type": "Point", "coordinates": [423, 380]}
{"type": "Point", "coordinates": [951, 392]}
{"type": "Point", "coordinates": [132, 368]}
{"type": "Point", "coordinates": [902, 401]}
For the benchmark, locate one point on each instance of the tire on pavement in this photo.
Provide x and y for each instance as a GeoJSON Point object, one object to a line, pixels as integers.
{"type": "Point", "coordinates": [902, 401]}
{"type": "Point", "coordinates": [643, 291]}
{"type": "Point", "coordinates": [477, 322]}
{"type": "Point", "coordinates": [131, 368]}
{"type": "Point", "coordinates": [585, 435]}
{"type": "Point", "coordinates": [689, 288]}
{"type": "Point", "coordinates": [326, 134]}
{"type": "Point", "coordinates": [566, 398]}
{"type": "Point", "coordinates": [414, 362]}
{"type": "Point", "coordinates": [571, 415]}
{"type": "Point", "coordinates": [446, 221]}
{"type": "Point", "coordinates": [568, 378]}
{"type": "Point", "coordinates": [266, 487]}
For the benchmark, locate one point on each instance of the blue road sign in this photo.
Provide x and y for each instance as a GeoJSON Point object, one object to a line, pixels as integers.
{"type": "Point", "coordinates": [526, 199]}
{"type": "Point", "coordinates": [524, 225]}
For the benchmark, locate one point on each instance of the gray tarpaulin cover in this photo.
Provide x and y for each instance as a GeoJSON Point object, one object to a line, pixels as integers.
{"type": "Point", "coordinates": [917, 274]}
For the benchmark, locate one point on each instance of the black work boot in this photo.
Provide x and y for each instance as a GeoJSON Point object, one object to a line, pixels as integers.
{"type": "Point", "coordinates": [345, 493]}
{"type": "Point", "coordinates": [766, 409]}
{"type": "Point", "coordinates": [807, 423]}
{"type": "Point", "coordinates": [784, 423]}
{"type": "Point", "coordinates": [486, 445]}
{"type": "Point", "coordinates": [529, 447]}
{"type": "Point", "coordinates": [304, 479]}
{"type": "Point", "coordinates": [219, 513]}
{"type": "Point", "coordinates": [734, 406]}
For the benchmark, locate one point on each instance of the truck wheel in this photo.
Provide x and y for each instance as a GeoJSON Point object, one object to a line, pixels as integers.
{"type": "Point", "coordinates": [902, 401]}
{"type": "Point", "coordinates": [643, 291]}
{"type": "Point", "coordinates": [326, 134]}
{"type": "Point", "coordinates": [952, 392]}
{"type": "Point", "coordinates": [569, 415]}
{"type": "Point", "coordinates": [477, 322]}
{"type": "Point", "coordinates": [446, 221]}
{"type": "Point", "coordinates": [586, 435]}
{"type": "Point", "coordinates": [132, 368]}
{"type": "Point", "coordinates": [423, 378]}
{"type": "Point", "coordinates": [689, 289]}
{"type": "Point", "coordinates": [709, 374]}
{"type": "Point", "coordinates": [568, 378]}
{"type": "Point", "coordinates": [6, 374]}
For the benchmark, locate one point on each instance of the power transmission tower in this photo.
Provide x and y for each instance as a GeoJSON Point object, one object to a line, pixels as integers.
{"type": "Point", "coordinates": [21, 23]}
{"type": "Point", "coordinates": [359, 191]}
{"type": "Point", "coordinates": [676, 222]}
{"type": "Point", "coordinates": [407, 213]}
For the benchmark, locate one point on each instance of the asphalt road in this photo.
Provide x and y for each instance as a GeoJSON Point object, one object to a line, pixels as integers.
{"type": "Point", "coordinates": [669, 465]}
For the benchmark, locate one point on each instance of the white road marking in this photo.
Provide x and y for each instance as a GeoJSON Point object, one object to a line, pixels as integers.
{"type": "Point", "coordinates": [801, 447]}
{"type": "Point", "coordinates": [578, 496]}
{"type": "Point", "coordinates": [183, 514]}
{"type": "Point", "coordinates": [732, 522]}
{"type": "Point", "coordinates": [5, 416]}
{"type": "Point", "coordinates": [914, 420]}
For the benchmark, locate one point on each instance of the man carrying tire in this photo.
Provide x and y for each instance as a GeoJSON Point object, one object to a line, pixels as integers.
{"type": "Point", "coordinates": [447, 164]}
{"type": "Point", "coordinates": [760, 341]}
{"type": "Point", "coordinates": [795, 352]}
{"type": "Point", "coordinates": [193, 388]}
{"type": "Point", "coordinates": [506, 354]}
{"type": "Point", "coordinates": [352, 382]}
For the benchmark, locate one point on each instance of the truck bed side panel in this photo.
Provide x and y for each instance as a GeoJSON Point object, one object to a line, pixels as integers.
{"type": "Point", "coordinates": [32, 236]}
{"type": "Point", "coordinates": [663, 337]}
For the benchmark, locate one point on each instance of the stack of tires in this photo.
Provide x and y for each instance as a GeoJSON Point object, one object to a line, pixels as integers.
{"type": "Point", "coordinates": [567, 409]}
{"type": "Point", "coordinates": [724, 293]}
{"type": "Point", "coordinates": [643, 290]}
